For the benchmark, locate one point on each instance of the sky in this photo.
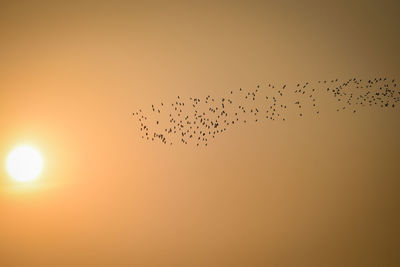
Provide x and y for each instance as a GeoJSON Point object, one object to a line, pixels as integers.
{"type": "Point", "coordinates": [313, 191]}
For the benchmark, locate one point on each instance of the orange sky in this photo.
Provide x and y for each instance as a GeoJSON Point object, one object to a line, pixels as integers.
{"type": "Point", "coordinates": [316, 191]}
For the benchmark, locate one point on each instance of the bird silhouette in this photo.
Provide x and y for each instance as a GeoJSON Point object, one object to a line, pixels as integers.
{"type": "Point", "coordinates": [193, 120]}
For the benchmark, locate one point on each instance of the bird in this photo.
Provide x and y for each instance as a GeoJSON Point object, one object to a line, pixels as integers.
{"type": "Point", "coordinates": [194, 119]}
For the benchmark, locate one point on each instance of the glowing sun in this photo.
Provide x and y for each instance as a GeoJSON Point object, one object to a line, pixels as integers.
{"type": "Point", "coordinates": [24, 163]}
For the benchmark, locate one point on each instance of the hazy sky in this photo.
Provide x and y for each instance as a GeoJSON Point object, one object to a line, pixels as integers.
{"type": "Point", "coordinates": [317, 191]}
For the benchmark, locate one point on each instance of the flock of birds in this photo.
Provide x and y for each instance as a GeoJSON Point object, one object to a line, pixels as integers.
{"type": "Point", "coordinates": [197, 121]}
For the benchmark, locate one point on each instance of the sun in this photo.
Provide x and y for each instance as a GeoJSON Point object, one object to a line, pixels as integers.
{"type": "Point", "coordinates": [24, 163]}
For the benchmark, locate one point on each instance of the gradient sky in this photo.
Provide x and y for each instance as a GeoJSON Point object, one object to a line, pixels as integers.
{"type": "Point", "coordinates": [317, 191]}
